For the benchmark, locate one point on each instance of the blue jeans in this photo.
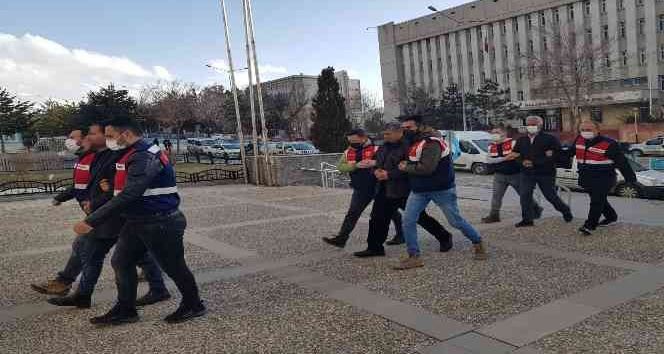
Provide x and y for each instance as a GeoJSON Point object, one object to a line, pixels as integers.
{"type": "Point", "coordinates": [447, 202]}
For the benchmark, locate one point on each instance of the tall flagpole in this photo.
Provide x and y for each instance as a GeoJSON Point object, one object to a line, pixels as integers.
{"type": "Point", "coordinates": [234, 89]}
{"type": "Point", "coordinates": [259, 90]}
{"type": "Point", "coordinates": [250, 72]}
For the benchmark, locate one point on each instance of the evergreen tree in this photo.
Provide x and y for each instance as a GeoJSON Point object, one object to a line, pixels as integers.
{"type": "Point", "coordinates": [493, 104]}
{"type": "Point", "coordinates": [330, 122]}
{"type": "Point", "coordinates": [15, 116]}
{"type": "Point", "coordinates": [107, 103]}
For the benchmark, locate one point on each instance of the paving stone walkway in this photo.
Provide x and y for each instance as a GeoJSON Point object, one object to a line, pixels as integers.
{"type": "Point", "coordinates": [273, 287]}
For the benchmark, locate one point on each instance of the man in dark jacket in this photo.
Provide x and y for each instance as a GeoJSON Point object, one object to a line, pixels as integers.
{"type": "Point", "coordinates": [358, 161]}
{"type": "Point", "coordinates": [537, 153]}
{"type": "Point", "coordinates": [392, 193]}
{"type": "Point", "coordinates": [431, 177]}
{"type": "Point", "coordinates": [597, 158]}
{"type": "Point", "coordinates": [99, 242]}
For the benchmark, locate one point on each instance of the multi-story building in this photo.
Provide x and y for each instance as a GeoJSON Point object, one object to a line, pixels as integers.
{"type": "Point", "coordinates": [487, 39]}
{"type": "Point", "coordinates": [300, 91]}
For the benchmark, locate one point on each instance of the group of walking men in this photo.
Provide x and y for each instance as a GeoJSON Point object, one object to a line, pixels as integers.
{"type": "Point", "coordinates": [414, 167]}
{"type": "Point", "coordinates": [127, 189]}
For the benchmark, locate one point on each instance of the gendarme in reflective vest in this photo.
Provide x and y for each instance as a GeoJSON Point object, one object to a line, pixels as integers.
{"type": "Point", "coordinates": [161, 196]}
{"type": "Point", "coordinates": [82, 176]}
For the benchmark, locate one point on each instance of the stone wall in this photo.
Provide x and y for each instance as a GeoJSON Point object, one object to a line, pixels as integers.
{"type": "Point", "coordinates": [292, 170]}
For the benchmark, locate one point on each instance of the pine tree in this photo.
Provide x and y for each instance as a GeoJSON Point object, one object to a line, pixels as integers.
{"type": "Point", "coordinates": [493, 103]}
{"type": "Point", "coordinates": [107, 103]}
{"type": "Point", "coordinates": [15, 116]}
{"type": "Point", "coordinates": [330, 122]}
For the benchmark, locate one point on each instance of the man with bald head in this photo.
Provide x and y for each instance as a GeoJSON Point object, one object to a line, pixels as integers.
{"type": "Point", "coordinates": [537, 153]}
{"type": "Point", "coordinates": [597, 158]}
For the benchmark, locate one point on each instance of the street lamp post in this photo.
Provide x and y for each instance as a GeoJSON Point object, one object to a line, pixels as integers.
{"type": "Point", "coordinates": [636, 124]}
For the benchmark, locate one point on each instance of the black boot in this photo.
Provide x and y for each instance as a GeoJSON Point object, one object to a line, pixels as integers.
{"type": "Point", "coordinates": [73, 300]}
{"type": "Point", "coordinates": [369, 253]}
{"type": "Point", "coordinates": [538, 213]}
{"type": "Point", "coordinates": [337, 241]}
{"type": "Point", "coordinates": [491, 218]}
{"type": "Point", "coordinates": [445, 240]}
{"type": "Point", "coordinates": [116, 316]}
{"type": "Point", "coordinates": [152, 298]}
{"type": "Point", "coordinates": [396, 240]}
{"type": "Point", "coordinates": [186, 313]}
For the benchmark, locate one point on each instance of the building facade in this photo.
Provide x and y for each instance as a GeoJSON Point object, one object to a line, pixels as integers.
{"type": "Point", "coordinates": [490, 39]}
{"type": "Point", "coordinates": [301, 89]}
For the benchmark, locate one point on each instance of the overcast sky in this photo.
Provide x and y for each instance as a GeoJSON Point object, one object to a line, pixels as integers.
{"type": "Point", "coordinates": [63, 49]}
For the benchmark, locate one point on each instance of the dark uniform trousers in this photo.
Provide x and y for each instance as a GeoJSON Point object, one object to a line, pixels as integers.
{"type": "Point", "coordinates": [162, 236]}
{"type": "Point", "coordinates": [598, 189]}
{"type": "Point", "coordinates": [381, 213]}
{"type": "Point", "coordinates": [358, 203]}
{"type": "Point", "coordinates": [547, 184]}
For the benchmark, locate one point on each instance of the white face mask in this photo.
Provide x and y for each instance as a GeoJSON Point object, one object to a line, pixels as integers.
{"type": "Point", "coordinates": [72, 145]}
{"type": "Point", "coordinates": [532, 129]}
{"type": "Point", "coordinates": [497, 137]}
{"type": "Point", "coordinates": [588, 135]}
{"type": "Point", "coordinates": [112, 144]}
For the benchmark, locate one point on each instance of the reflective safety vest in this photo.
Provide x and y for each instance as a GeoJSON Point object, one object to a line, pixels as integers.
{"type": "Point", "coordinates": [415, 152]}
{"type": "Point", "coordinates": [442, 177]}
{"type": "Point", "coordinates": [506, 145]}
{"type": "Point", "coordinates": [82, 174]}
{"type": "Point", "coordinates": [365, 153]}
{"type": "Point", "coordinates": [161, 196]}
{"type": "Point", "coordinates": [593, 157]}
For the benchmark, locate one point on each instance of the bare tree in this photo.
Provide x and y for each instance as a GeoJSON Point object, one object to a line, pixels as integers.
{"type": "Point", "coordinates": [298, 105]}
{"type": "Point", "coordinates": [210, 107]}
{"type": "Point", "coordinates": [567, 68]}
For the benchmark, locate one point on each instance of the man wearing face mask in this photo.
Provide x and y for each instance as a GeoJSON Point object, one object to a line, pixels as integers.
{"type": "Point", "coordinates": [597, 158]}
{"type": "Point", "coordinates": [76, 145]}
{"type": "Point", "coordinates": [431, 178]}
{"type": "Point", "coordinates": [145, 194]}
{"type": "Point", "coordinates": [99, 242]}
{"type": "Point", "coordinates": [538, 153]}
{"type": "Point", "coordinates": [506, 173]}
{"type": "Point", "coordinates": [358, 161]}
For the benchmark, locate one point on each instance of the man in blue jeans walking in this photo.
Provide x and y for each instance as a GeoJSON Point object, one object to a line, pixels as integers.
{"type": "Point", "coordinates": [431, 175]}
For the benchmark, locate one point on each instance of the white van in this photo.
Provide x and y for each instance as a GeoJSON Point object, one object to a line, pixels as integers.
{"type": "Point", "coordinates": [474, 146]}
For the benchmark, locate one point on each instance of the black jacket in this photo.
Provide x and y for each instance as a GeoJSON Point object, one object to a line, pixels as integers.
{"type": "Point", "coordinates": [143, 167]}
{"type": "Point", "coordinates": [589, 177]}
{"type": "Point", "coordinates": [387, 158]}
{"type": "Point", "coordinates": [536, 152]}
{"type": "Point", "coordinates": [103, 168]}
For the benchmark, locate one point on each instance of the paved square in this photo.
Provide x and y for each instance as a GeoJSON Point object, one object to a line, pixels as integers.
{"type": "Point", "coordinates": [274, 287]}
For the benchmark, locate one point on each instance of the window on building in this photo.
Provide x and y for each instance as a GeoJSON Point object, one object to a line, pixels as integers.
{"type": "Point", "coordinates": [607, 61]}
{"type": "Point", "coordinates": [642, 26]}
{"type": "Point", "coordinates": [621, 29]}
{"type": "Point", "coordinates": [643, 57]}
{"type": "Point", "coordinates": [621, 5]}
{"type": "Point", "coordinates": [515, 24]}
{"type": "Point", "coordinates": [542, 19]}
{"type": "Point", "coordinates": [529, 21]}
{"type": "Point", "coordinates": [661, 23]}
{"type": "Point", "coordinates": [586, 7]}
{"type": "Point", "coordinates": [570, 12]}
{"type": "Point", "coordinates": [507, 77]}
{"type": "Point", "coordinates": [596, 114]}
{"type": "Point", "coordinates": [531, 46]}
{"type": "Point", "coordinates": [518, 49]}
{"type": "Point", "coordinates": [505, 52]}
{"type": "Point", "coordinates": [605, 32]}
{"type": "Point", "coordinates": [602, 6]}
{"type": "Point", "coordinates": [556, 16]}
{"type": "Point", "coordinates": [472, 80]}
{"type": "Point", "coordinates": [520, 95]}
{"type": "Point", "coordinates": [545, 44]}
{"type": "Point", "coordinates": [624, 58]}
{"type": "Point", "coordinates": [494, 76]}
{"type": "Point", "coordinates": [520, 73]}
{"type": "Point", "coordinates": [661, 52]}
{"type": "Point", "coordinates": [589, 35]}
{"type": "Point", "coordinates": [470, 58]}
{"type": "Point", "coordinates": [503, 27]}
{"type": "Point", "coordinates": [491, 31]}
{"type": "Point", "coordinates": [639, 2]}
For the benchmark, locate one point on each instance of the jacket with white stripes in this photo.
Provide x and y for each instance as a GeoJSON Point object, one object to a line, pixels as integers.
{"type": "Point", "coordinates": [598, 158]}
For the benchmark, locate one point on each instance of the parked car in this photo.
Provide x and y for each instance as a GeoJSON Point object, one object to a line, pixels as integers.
{"type": "Point", "coordinates": [474, 147]}
{"type": "Point", "coordinates": [654, 146]}
{"type": "Point", "coordinates": [300, 148]}
{"type": "Point", "coordinates": [200, 146]}
{"type": "Point", "coordinates": [650, 183]}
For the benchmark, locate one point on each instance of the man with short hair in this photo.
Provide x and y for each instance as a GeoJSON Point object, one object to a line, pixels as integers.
{"type": "Point", "coordinates": [538, 152]}
{"type": "Point", "coordinates": [393, 190]}
{"type": "Point", "coordinates": [99, 242]}
{"type": "Point", "coordinates": [506, 173]}
{"type": "Point", "coordinates": [146, 195]}
{"type": "Point", "coordinates": [431, 176]}
{"type": "Point", "coordinates": [597, 158]}
{"type": "Point", "coordinates": [358, 161]}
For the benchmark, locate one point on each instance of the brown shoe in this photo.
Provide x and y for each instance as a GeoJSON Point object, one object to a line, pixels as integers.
{"type": "Point", "coordinates": [52, 287]}
{"type": "Point", "coordinates": [409, 263]}
{"type": "Point", "coordinates": [480, 253]}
